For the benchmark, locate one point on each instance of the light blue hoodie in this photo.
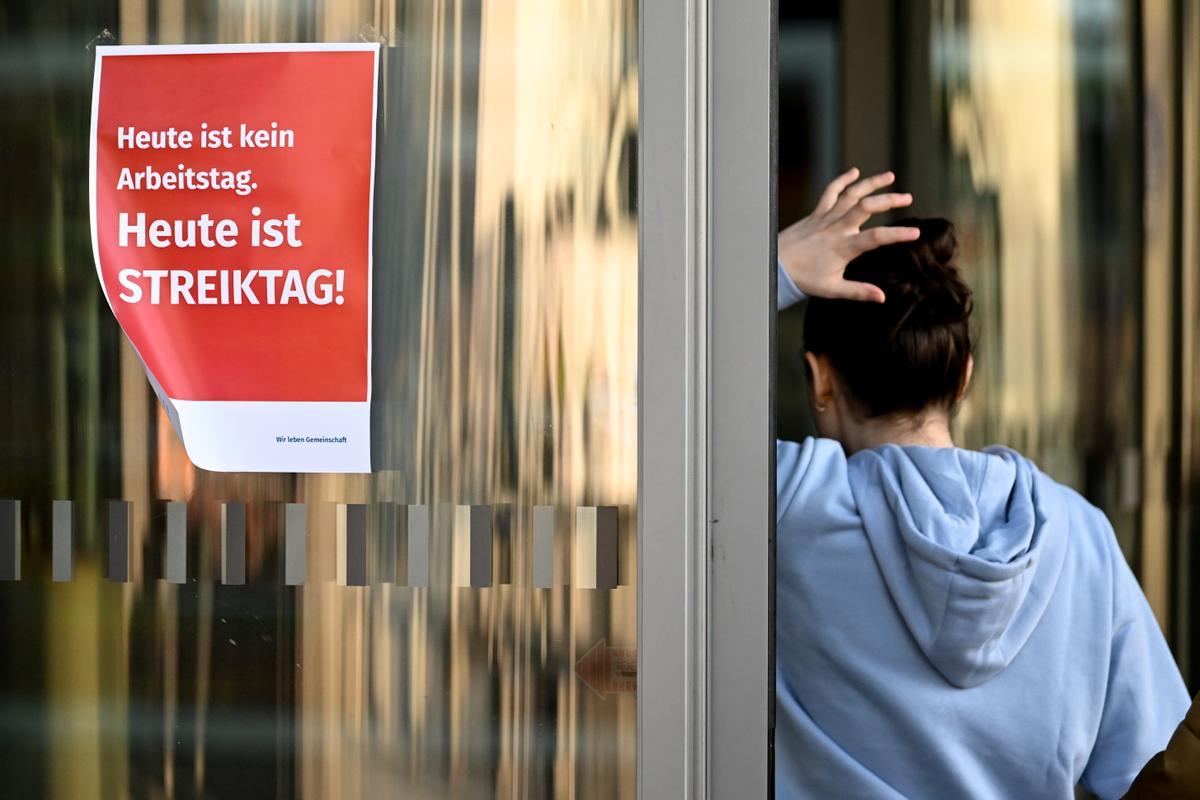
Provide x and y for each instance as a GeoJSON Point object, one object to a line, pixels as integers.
{"type": "Point", "coordinates": [955, 624]}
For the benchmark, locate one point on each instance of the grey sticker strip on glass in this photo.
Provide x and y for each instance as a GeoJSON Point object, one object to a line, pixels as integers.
{"type": "Point", "coordinates": [352, 544]}
{"type": "Point", "coordinates": [233, 544]}
{"type": "Point", "coordinates": [414, 544]}
{"type": "Point", "coordinates": [62, 525]}
{"type": "Point", "coordinates": [175, 556]}
{"type": "Point", "coordinates": [380, 543]}
{"type": "Point", "coordinates": [295, 561]}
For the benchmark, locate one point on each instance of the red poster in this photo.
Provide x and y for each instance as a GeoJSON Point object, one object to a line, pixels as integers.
{"type": "Point", "coordinates": [231, 192]}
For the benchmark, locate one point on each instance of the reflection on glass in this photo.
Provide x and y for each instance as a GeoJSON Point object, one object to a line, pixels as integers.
{"type": "Point", "coordinates": [505, 328]}
{"type": "Point", "coordinates": [1034, 112]}
{"type": "Point", "coordinates": [1019, 121]}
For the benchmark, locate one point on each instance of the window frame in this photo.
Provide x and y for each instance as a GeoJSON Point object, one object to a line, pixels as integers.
{"type": "Point", "coordinates": [707, 208]}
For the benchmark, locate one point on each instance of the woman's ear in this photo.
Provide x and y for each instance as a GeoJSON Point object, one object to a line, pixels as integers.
{"type": "Point", "coordinates": [966, 384]}
{"type": "Point", "coordinates": [820, 380]}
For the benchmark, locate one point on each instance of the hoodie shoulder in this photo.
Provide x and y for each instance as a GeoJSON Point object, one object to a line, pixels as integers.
{"type": "Point", "coordinates": [1091, 532]}
{"type": "Point", "coordinates": [801, 468]}
{"type": "Point", "coordinates": [1084, 518]}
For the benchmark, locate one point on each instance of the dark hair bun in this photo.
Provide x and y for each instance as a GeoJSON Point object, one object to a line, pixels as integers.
{"type": "Point", "coordinates": [929, 282]}
{"type": "Point", "coordinates": [911, 352]}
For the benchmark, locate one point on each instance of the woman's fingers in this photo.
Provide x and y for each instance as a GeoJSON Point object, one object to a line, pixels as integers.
{"type": "Point", "coordinates": [883, 235]}
{"type": "Point", "coordinates": [829, 197]}
{"type": "Point", "coordinates": [860, 190]}
{"type": "Point", "coordinates": [857, 290]}
{"type": "Point", "coordinates": [878, 203]}
{"type": "Point", "coordinates": [875, 204]}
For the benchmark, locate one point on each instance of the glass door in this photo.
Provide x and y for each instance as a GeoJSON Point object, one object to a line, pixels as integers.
{"type": "Point", "coordinates": [462, 621]}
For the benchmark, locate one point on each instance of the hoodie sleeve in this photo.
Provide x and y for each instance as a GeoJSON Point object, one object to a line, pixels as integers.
{"type": "Point", "coordinates": [1146, 697]}
{"type": "Point", "coordinates": [810, 478]}
{"type": "Point", "coordinates": [786, 293]}
{"type": "Point", "coordinates": [1175, 772]}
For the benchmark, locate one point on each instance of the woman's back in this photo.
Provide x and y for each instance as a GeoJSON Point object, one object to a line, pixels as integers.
{"type": "Point", "coordinates": [956, 624]}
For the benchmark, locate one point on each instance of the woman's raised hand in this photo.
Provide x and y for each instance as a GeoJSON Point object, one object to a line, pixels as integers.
{"type": "Point", "coordinates": [816, 250]}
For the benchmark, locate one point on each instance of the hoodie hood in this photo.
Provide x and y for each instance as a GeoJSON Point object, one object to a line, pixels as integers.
{"type": "Point", "coordinates": [964, 548]}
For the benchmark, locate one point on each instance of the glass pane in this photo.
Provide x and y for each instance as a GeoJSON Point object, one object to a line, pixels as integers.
{"type": "Point", "coordinates": [946, 93]}
{"type": "Point", "coordinates": [1060, 138]}
{"type": "Point", "coordinates": [504, 373]}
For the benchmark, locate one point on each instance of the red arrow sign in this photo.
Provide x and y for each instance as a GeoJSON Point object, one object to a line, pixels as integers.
{"type": "Point", "coordinates": [605, 669]}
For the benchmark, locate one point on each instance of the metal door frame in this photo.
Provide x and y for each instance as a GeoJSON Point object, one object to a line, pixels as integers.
{"type": "Point", "coordinates": [706, 205]}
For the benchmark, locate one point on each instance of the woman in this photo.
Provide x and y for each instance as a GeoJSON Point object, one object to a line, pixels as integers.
{"type": "Point", "coordinates": [951, 623]}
